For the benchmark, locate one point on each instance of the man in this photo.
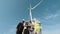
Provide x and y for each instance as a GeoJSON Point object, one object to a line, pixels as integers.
{"type": "Point", "coordinates": [19, 28]}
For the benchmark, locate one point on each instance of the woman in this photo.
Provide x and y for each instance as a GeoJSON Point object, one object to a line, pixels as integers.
{"type": "Point", "coordinates": [26, 31]}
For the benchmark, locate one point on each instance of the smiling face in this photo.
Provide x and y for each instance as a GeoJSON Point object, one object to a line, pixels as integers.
{"type": "Point", "coordinates": [29, 27]}
{"type": "Point", "coordinates": [25, 24]}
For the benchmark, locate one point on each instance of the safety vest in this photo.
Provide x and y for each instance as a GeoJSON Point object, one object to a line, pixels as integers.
{"type": "Point", "coordinates": [37, 26]}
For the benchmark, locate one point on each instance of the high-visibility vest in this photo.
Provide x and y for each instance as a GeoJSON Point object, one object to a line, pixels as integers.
{"type": "Point", "coordinates": [37, 26]}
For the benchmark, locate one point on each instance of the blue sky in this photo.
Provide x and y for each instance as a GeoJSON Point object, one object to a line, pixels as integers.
{"type": "Point", "coordinates": [13, 11]}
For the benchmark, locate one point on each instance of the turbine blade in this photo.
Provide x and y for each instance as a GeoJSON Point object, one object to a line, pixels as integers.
{"type": "Point", "coordinates": [37, 4]}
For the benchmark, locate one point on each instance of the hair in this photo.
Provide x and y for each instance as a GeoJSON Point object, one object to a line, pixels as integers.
{"type": "Point", "coordinates": [19, 28]}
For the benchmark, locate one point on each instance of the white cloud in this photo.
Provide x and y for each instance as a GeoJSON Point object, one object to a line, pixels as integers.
{"type": "Point", "coordinates": [51, 29]}
{"type": "Point", "coordinates": [52, 32]}
{"type": "Point", "coordinates": [51, 16]}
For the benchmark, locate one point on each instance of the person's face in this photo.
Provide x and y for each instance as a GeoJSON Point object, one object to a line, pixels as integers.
{"type": "Point", "coordinates": [29, 28]}
{"type": "Point", "coordinates": [25, 24]}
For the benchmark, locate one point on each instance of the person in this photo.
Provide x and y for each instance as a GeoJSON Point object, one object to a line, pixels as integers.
{"type": "Point", "coordinates": [31, 26]}
{"type": "Point", "coordinates": [37, 27]}
{"type": "Point", "coordinates": [19, 28]}
{"type": "Point", "coordinates": [23, 21]}
{"type": "Point", "coordinates": [26, 31]}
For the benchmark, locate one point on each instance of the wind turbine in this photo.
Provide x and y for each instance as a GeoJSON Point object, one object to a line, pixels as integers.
{"type": "Point", "coordinates": [30, 11]}
{"type": "Point", "coordinates": [32, 8]}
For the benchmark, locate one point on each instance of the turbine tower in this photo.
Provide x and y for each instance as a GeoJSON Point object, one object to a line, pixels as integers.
{"type": "Point", "coordinates": [30, 9]}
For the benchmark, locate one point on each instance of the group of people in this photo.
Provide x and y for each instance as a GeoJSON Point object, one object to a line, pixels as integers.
{"type": "Point", "coordinates": [27, 27]}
